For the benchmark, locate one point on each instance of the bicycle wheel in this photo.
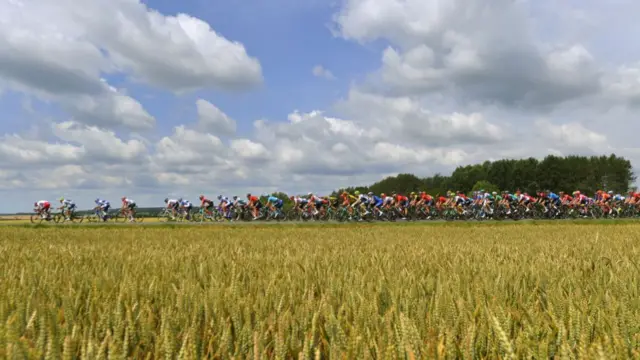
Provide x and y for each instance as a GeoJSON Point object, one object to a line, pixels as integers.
{"type": "Point", "coordinates": [36, 219]}
{"type": "Point", "coordinates": [119, 217]}
{"type": "Point", "coordinates": [58, 218]}
{"type": "Point", "coordinates": [75, 218]}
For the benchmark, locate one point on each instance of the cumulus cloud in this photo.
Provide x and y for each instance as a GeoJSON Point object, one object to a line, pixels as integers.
{"type": "Point", "coordinates": [212, 119]}
{"type": "Point", "coordinates": [470, 49]}
{"type": "Point", "coordinates": [178, 52]}
{"type": "Point", "coordinates": [59, 52]}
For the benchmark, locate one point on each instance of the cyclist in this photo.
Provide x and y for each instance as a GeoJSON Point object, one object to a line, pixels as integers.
{"type": "Point", "coordinates": [274, 203]}
{"type": "Point", "coordinates": [102, 206]}
{"type": "Point", "coordinates": [239, 203]}
{"type": "Point", "coordinates": [225, 206]}
{"type": "Point", "coordinates": [186, 206]}
{"type": "Point", "coordinates": [254, 204]}
{"type": "Point", "coordinates": [43, 207]}
{"type": "Point", "coordinates": [172, 204]}
{"type": "Point", "coordinates": [346, 202]}
{"type": "Point", "coordinates": [129, 207]}
{"type": "Point", "coordinates": [402, 204]}
{"type": "Point", "coordinates": [206, 204]}
{"type": "Point", "coordinates": [376, 202]}
{"type": "Point", "coordinates": [68, 207]}
{"type": "Point", "coordinates": [299, 203]}
{"type": "Point", "coordinates": [362, 201]}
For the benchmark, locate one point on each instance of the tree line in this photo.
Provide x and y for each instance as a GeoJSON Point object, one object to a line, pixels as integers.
{"type": "Point", "coordinates": [570, 173]}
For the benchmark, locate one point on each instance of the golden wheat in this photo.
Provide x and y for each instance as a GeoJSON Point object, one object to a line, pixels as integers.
{"type": "Point", "coordinates": [326, 292]}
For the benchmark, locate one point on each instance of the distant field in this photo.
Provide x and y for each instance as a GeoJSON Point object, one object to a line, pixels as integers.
{"type": "Point", "coordinates": [14, 217]}
{"type": "Point", "coordinates": [538, 291]}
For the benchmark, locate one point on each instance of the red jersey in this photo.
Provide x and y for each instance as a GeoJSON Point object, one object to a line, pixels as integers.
{"type": "Point", "coordinates": [253, 199]}
{"type": "Point", "coordinates": [400, 198]}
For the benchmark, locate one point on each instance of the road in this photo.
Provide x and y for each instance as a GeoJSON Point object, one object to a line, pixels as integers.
{"type": "Point", "coordinates": [152, 223]}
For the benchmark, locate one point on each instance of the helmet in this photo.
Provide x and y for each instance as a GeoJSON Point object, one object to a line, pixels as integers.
{"type": "Point", "coordinates": [310, 194]}
{"type": "Point", "coordinates": [219, 197]}
{"type": "Point", "coordinates": [35, 204]}
{"type": "Point", "coordinates": [248, 194]}
{"type": "Point", "coordinates": [124, 198]}
{"type": "Point", "coordinates": [98, 199]}
{"type": "Point", "coordinates": [383, 195]}
{"type": "Point", "coordinates": [610, 192]}
{"type": "Point", "coordinates": [61, 199]}
{"type": "Point", "coordinates": [235, 197]}
{"type": "Point", "coordinates": [265, 195]}
{"type": "Point", "coordinates": [201, 197]}
{"type": "Point", "coordinates": [494, 193]}
{"type": "Point", "coordinates": [291, 197]}
{"type": "Point", "coordinates": [166, 199]}
{"type": "Point", "coordinates": [370, 193]}
{"type": "Point", "coordinates": [413, 193]}
{"type": "Point", "coordinates": [357, 192]}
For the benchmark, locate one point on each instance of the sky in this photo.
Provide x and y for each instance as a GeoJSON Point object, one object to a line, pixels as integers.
{"type": "Point", "coordinates": [158, 98]}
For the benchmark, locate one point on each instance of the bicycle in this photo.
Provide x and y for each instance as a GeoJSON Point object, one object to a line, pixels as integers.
{"type": "Point", "coordinates": [98, 216]}
{"type": "Point", "coordinates": [124, 214]}
{"type": "Point", "coordinates": [37, 218]}
{"type": "Point", "coordinates": [72, 217]}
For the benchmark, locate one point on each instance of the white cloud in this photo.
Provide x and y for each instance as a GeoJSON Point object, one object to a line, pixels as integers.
{"type": "Point", "coordinates": [572, 135]}
{"type": "Point", "coordinates": [59, 52]}
{"type": "Point", "coordinates": [212, 119]}
{"type": "Point", "coordinates": [19, 152]}
{"type": "Point", "coordinates": [248, 149]}
{"type": "Point", "coordinates": [320, 71]}
{"type": "Point", "coordinates": [100, 144]}
{"type": "Point", "coordinates": [178, 52]}
{"type": "Point", "coordinates": [470, 50]}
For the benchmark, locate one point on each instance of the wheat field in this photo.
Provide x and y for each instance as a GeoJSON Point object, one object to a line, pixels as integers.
{"type": "Point", "coordinates": [321, 292]}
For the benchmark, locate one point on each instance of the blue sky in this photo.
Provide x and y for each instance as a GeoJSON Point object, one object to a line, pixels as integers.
{"type": "Point", "coordinates": [165, 98]}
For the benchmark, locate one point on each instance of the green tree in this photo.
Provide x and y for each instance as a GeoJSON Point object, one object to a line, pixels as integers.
{"type": "Point", "coordinates": [485, 185]}
{"type": "Point", "coordinates": [556, 173]}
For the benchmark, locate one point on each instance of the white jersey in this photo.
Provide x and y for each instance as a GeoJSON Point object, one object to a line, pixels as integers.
{"type": "Point", "coordinates": [186, 203]}
{"type": "Point", "coordinates": [68, 203]}
{"type": "Point", "coordinates": [387, 200]}
{"type": "Point", "coordinates": [172, 202]}
{"type": "Point", "coordinates": [364, 199]}
{"type": "Point", "coordinates": [42, 203]}
{"type": "Point", "coordinates": [300, 201]}
{"type": "Point", "coordinates": [129, 201]}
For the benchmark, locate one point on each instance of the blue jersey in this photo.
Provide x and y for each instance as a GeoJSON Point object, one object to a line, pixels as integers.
{"type": "Point", "coordinates": [102, 202]}
{"type": "Point", "coordinates": [272, 199]}
{"type": "Point", "coordinates": [377, 200]}
{"type": "Point", "coordinates": [553, 196]}
{"type": "Point", "coordinates": [185, 203]}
